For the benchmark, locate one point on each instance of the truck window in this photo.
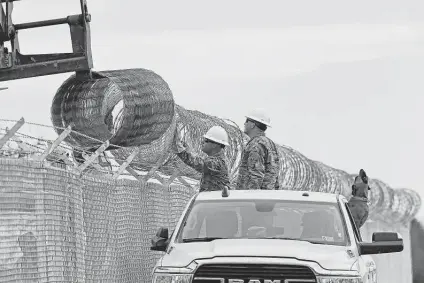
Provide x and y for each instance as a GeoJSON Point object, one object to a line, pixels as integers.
{"type": "Point", "coordinates": [355, 229]}
{"type": "Point", "coordinates": [313, 221]}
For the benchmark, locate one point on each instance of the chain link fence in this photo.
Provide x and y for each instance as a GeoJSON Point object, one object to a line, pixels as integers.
{"type": "Point", "coordinates": [56, 226]}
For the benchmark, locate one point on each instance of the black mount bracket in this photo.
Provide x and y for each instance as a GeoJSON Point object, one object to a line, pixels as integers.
{"type": "Point", "coordinates": [15, 65]}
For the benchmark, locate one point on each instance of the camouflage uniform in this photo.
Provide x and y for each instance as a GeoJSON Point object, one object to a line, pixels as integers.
{"type": "Point", "coordinates": [358, 203]}
{"type": "Point", "coordinates": [214, 169]}
{"type": "Point", "coordinates": [259, 166]}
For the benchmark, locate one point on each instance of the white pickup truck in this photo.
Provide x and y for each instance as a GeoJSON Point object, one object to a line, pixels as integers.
{"type": "Point", "coordinates": [268, 237]}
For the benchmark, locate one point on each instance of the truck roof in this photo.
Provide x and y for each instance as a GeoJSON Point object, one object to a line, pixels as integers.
{"type": "Point", "coordinates": [269, 194]}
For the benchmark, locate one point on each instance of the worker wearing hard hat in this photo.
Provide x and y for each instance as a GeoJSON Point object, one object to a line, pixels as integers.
{"type": "Point", "coordinates": [358, 203]}
{"type": "Point", "coordinates": [260, 161]}
{"type": "Point", "coordinates": [213, 167]}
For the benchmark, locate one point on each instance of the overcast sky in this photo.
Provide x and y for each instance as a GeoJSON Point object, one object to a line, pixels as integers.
{"type": "Point", "coordinates": [342, 80]}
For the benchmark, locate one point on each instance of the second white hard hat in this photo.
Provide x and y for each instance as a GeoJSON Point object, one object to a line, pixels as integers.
{"type": "Point", "coordinates": [259, 115]}
{"type": "Point", "coordinates": [217, 134]}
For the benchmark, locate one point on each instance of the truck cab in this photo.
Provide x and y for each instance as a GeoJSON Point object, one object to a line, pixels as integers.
{"type": "Point", "coordinates": [258, 236]}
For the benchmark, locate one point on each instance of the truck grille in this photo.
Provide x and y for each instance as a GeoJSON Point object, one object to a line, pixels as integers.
{"type": "Point", "coordinates": [256, 273]}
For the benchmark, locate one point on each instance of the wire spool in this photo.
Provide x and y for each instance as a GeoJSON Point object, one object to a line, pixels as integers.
{"type": "Point", "coordinates": [149, 120]}
{"type": "Point", "coordinates": [375, 196]}
{"type": "Point", "coordinates": [332, 184]}
{"type": "Point", "coordinates": [399, 205]}
{"type": "Point", "coordinates": [413, 205]}
{"type": "Point", "coordinates": [90, 105]}
{"type": "Point", "coordinates": [387, 200]}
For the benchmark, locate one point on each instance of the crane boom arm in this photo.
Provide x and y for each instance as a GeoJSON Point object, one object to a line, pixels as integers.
{"type": "Point", "coordinates": [15, 65]}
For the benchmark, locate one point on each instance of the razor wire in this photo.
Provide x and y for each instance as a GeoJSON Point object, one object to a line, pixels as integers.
{"type": "Point", "coordinates": [147, 100]}
{"type": "Point", "coordinates": [135, 108]}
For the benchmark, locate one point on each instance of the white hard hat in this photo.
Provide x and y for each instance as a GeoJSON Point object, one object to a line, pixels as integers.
{"type": "Point", "coordinates": [260, 116]}
{"type": "Point", "coordinates": [218, 135]}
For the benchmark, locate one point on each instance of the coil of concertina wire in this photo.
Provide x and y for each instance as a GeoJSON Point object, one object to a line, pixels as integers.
{"type": "Point", "coordinates": [146, 100]}
{"type": "Point", "coordinates": [150, 121]}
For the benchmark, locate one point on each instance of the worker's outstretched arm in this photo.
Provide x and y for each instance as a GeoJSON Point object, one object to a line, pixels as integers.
{"type": "Point", "coordinates": [255, 167]}
{"type": "Point", "coordinates": [213, 165]}
{"type": "Point", "coordinates": [195, 162]}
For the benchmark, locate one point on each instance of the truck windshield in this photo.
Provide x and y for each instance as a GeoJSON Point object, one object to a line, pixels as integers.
{"type": "Point", "coordinates": [315, 222]}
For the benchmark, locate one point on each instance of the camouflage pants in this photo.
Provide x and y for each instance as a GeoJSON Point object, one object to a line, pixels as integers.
{"type": "Point", "coordinates": [359, 211]}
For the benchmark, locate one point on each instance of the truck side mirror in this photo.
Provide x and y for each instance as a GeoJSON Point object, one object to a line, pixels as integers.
{"type": "Point", "coordinates": [386, 237]}
{"type": "Point", "coordinates": [382, 243]}
{"type": "Point", "coordinates": [160, 241]}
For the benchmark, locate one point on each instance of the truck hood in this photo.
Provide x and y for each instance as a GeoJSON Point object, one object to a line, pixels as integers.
{"type": "Point", "coordinates": [327, 256]}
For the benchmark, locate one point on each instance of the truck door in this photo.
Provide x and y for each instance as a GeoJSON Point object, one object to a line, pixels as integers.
{"type": "Point", "coordinates": [366, 264]}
